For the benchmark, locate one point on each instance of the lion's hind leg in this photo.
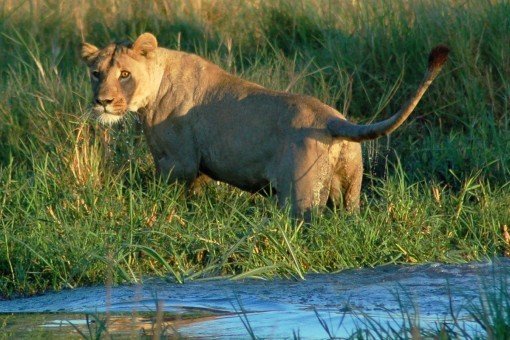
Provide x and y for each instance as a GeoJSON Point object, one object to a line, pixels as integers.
{"type": "Point", "coordinates": [304, 178]}
{"type": "Point", "coordinates": [346, 182]}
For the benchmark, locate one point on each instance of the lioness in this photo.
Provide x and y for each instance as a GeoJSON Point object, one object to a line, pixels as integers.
{"type": "Point", "coordinates": [200, 120]}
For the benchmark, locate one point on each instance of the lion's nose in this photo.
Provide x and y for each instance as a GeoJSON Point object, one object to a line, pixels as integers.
{"type": "Point", "coordinates": [104, 101]}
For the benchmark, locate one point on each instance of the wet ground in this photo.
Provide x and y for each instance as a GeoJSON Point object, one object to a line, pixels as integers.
{"type": "Point", "coordinates": [321, 306]}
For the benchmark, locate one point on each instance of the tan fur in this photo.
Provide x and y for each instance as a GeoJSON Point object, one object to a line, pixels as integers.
{"type": "Point", "coordinates": [198, 119]}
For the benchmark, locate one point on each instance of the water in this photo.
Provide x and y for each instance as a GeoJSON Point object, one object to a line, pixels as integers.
{"type": "Point", "coordinates": [343, 302]}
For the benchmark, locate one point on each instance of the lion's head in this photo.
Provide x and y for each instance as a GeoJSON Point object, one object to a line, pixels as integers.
{"type": "Point", "coordinates": [120, 75]}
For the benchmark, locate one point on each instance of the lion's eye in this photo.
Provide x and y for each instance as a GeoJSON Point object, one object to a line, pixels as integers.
{"type": "Point", "coordinates": [95, 74]}
{"type": "Point", "coordinates": [124, 74]}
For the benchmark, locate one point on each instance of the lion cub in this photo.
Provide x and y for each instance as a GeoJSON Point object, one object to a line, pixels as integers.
{"type": "Point", "coordinates": [200, 120]}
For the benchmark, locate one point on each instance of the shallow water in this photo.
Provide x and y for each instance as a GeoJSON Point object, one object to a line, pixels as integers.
{"type": "Point", "coordinates": [344, 302]}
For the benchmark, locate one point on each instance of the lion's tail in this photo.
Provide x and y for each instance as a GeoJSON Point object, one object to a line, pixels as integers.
{"type": "Point", "coordinates": [344, 129]}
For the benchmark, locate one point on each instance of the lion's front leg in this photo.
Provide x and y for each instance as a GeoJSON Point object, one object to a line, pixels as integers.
{"type": "Point", "coordinates": [198, 185]}
{"type": "Point", "coordinates": [173, 170]}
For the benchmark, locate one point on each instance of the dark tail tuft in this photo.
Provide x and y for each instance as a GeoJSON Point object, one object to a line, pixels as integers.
{"type": "Point", "coordinates": [438, 56]}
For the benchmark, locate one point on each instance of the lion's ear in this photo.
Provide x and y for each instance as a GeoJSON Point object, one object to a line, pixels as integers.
{"type": "Point", "coordinates": [145, 44]}
{"type": "Point", "coordinates": [88, 52]}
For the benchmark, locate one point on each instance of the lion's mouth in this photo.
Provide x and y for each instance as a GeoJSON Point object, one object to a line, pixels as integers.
{"type": "Point", "coordinates": [109, 109]}
{"type": "Point", "coordinates": [109, 118]}
{"type": "Point", "coordinates": [107, 115]}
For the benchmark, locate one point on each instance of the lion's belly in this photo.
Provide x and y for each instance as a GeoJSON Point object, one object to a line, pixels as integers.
{"type": "Point", "coordinates": [243, 168]}
{"type": "Point", "coordinates": [247, 183]}
{"type": "Point", "coordinates": [238, 151]}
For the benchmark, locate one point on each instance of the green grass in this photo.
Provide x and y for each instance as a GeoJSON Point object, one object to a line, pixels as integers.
{"type": "Point", "coordinates": [79, 204]}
